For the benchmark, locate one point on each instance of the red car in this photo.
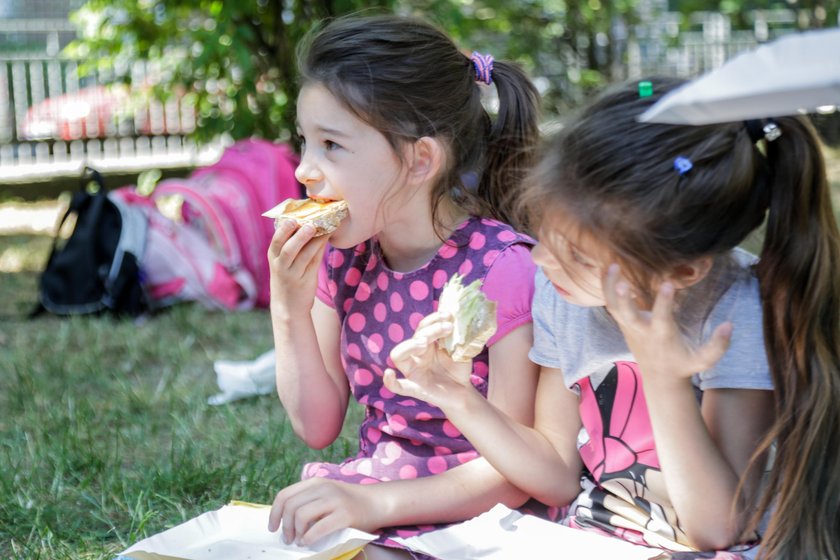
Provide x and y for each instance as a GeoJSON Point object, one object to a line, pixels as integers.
{"type": "Point", "coordinates": [101, 111]}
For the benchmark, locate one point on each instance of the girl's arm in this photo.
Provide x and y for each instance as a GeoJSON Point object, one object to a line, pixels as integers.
{"type": "Point", "coordinates": [542, 461]}
{"type": "Point", "coordinates": [310, 379]}
{"type": "Point", "coordinates": [703, 450]}
{"type": "Point", "coordinates": [316, 507]}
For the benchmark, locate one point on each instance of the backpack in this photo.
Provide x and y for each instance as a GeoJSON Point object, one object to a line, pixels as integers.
{"type": "Point", "coordinates": [179, 264]}
{"type": "Point", "coordinates": [97, 268]}
{"type": "Point", "coordinates": [225, 202]}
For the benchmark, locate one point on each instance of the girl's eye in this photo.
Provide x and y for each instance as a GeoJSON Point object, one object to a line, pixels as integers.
{"type": "Point", "coordinates": [329, 145]}
{"type": "Point", "coordinates": [580, 260]}
{"type": "Point", "coordinates": [301, 142]}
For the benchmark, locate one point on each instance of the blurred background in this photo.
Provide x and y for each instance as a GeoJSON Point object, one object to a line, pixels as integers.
{"type": "Point", "coordinates": [106, 435]}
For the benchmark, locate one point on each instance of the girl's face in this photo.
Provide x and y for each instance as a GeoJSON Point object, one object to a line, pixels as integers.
{"type": "Point", "coordinates": [575, 268]}
{"type": "Point", "coordinates": [342, 157]}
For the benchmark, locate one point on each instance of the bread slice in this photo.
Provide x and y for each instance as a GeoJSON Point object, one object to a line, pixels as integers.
{"type": "Point", "coordinates": [324, 215]}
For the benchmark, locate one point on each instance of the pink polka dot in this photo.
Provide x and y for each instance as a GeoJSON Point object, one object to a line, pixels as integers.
{"type": "Point", "coordinates": [363, 292]}
{"type": "Point", "coordinates": [359, 249]}
{"type": "Point", "coordinates": [414, 320]}
{"type": "Point", "coordinates": [367, 481]}
{"type": "Point", "coordinates": [374, 435]}
{"type": "Point", "coordinates": [398, 275]}
{"type": "Point", "coordinates": [407, 533]}
{"type": "Point", "coordinates": [489, 222]}
{"type": "Point", "coordinates": [354, 351]}
{"type": "Point", "coordinates": [347, 470]}
{"type": "Point", "coordinates": [390, 363]}
{"type": "Point", "coordinates": [436, 465]}
{"type": "Point", "coordinates": [448, 250]}
{"type": "Point", "coordinates": [506, 235]}
{"type": "Point", "coordinates": [395, 332]}
{"type": "Point", "coordinates": [321, 473]}
{"type": "Point", "coordinates": [356, 322]}
{"type": "Point", "coordinates": [450, 429]}
{"type": "Point", "coordinates": [336, 259]}
{"type": "Point", "coordinates": [479, 369]}
{"type": "Point", "coordinates": [439, 279]}
{"type": "Point", "coordinates": [374, 343]}
{"type": "Point", "coordinates": [380, 311]}
{"type": "Point", "coordinates": [408, 471]}
{"type": "Point", "coordinates": [407, 402]}
{"type": "Point", "coordinates": [489, 257]}
{"type": "Point", "coordinates": [426, 435]}
{"type": "Point", "coordinates": [441, 450]}
{"type": "Point", "coordinates": [363, 377]}
{"type": "Point", "coordinates": [371, 264]}
{"type": "Point", "coordinates": [477, 240]}
{"type": "Point", "coordinates": [348, 303]}
{"type": "Point", "coordinates": [465, 268]}
{"type": "Point", "coordinates": [396, 302]}
{"type": "Point", "coordinates": [352, 277]}
{"type": "Point", "coordinates": [377, 371]}
{"type": "Point", "coordinates": [423, 416]}
{"type": "Point", "coordinates": [382, 281]}
{"type": "Point", "coordinates": [363, 400]}
{"type": "Point", "coordinates": [466, 456]}
{"type": "Point", "coordinates": [386, 393]}
{"type": "Point", "coordinates": [419, 290]}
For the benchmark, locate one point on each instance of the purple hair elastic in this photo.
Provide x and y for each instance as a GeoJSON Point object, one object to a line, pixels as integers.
{"type": "Point", "coordinates": [483, 67]}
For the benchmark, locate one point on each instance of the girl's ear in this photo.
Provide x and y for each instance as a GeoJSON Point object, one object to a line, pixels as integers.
{"type": "Point", "coordinates": [426, 158]}
{"type": "Point", "coordinates": [688, 274]}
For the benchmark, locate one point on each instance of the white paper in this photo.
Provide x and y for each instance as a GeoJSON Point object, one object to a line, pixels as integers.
{"type": "Point", "coordinates": [504, 534]}
{"type": "Point", "coordinates": [798, 72]}
{"type": "Point", "coordinates": [239, 531]}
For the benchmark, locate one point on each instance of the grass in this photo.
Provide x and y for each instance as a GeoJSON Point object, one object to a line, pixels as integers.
{"type": "Point", "coordinates": [105, 434]}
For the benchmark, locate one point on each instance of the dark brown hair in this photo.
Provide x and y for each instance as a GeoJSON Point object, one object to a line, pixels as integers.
{"type": "Point", "coordinates": [616, 177]}
{"type": "Point", "coordinates": [409, 80]}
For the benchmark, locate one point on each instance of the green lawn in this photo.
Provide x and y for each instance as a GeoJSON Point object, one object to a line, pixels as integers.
{"type": "Point", "coordinates": [105, 434]}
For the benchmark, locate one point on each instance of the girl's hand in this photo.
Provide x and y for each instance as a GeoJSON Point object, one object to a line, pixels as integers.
{"type": "Point", "coordinates": [429, 373]}
{"type": "Point", "coordinates": [294, 257]}
{"type": "Point", "coordinates": [654, 337]}
{"type": "Point", "coordinates": [314, 508]}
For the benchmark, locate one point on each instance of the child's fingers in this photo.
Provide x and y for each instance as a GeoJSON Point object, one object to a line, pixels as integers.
{"type": "Point", "coordinates": [662, 314]}
{"type": "Point", "coordinates": [403, 352]}
{"type": "Point", "coordinates": [617, 297]}
{"type": "Point", "coordinates": [319, 528]}
{"type": "Point", "coordinates": [295, 244]}
{"type": "Point", "coordinates": [713, 350]}
{"type": "Point", "coordinates": [281, 235]}
{"type": "Point", "coordinates": [432, 318]}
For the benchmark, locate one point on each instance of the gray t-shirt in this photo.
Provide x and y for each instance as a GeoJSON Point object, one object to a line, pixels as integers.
{"type": "Point", "coordinates": [585, 341]}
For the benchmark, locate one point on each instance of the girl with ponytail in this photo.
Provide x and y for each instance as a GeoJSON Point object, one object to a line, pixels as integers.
{"type": "Point", "coordinates": [391, 119]}
{"type": "Point", "coordinates": [698, 385]}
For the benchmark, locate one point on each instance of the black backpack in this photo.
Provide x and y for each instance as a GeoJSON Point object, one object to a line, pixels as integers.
{"type": "Point", "coordinates": [97, 268]}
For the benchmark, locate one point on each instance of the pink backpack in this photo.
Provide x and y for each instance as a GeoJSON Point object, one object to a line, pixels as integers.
{"type": "Point", "coordinates": [179, 263]}
{"type": "Point", "coordinates": [225, 202]}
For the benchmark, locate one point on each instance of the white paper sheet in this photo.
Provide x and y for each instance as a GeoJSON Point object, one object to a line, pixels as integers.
{"type": "Point", "coordinates": [504, 534]}
{"type": "Point", "coordinates": [241, 531]}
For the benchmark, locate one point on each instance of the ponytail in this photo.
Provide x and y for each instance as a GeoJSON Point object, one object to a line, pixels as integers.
{"type": "Point", "coordinates": [799, 275]}
{"type": "Point", "coordinates": [512, 141]}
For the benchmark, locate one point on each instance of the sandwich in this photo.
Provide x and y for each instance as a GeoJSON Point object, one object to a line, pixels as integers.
{"type": "Point", "coordinates": [325, 215]}
{"type": "Point", "coordinates": [473, 318]}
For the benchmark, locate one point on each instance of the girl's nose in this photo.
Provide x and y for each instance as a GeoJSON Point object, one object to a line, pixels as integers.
{"type": "Point", "coordinates": [307, 173]}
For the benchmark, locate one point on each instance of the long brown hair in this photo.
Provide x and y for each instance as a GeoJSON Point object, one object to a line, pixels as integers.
{"type": "Point", "coordinates": [408, 79]}
{"type": "Point", "coordinates": [617, 177]}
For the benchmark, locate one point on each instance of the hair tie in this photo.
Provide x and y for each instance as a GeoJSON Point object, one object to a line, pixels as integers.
{"type": "Point", "coordinates": [682, 165]}
{"type": "Point", "coordinates": [762, 130]}
{"type": "Point", "coordinates": [483, 67]}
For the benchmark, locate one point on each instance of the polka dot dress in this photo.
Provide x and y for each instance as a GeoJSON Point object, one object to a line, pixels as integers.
{"type": "Point", "coordinates": [400, 437]}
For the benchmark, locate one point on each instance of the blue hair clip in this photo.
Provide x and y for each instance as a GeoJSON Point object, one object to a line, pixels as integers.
{"type": "Point", "coordinates": [682, 164]}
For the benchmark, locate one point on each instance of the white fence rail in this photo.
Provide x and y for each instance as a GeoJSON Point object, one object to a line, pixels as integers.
{"type": "Point", "coordinates": [54, 122]}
